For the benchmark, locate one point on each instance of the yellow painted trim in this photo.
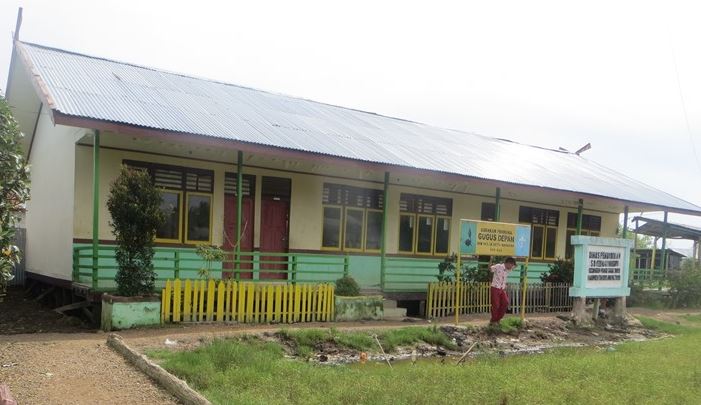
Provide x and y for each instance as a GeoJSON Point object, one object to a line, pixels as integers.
{"type": "Point", "coordinates": [340, 228]}
{"type": "Point", "coordinates": [180, 217]}
{"type": "Point", "coordinates": [362, 229]}
{"type": "Point", "coordinates": [435, 238]}
{"type": "Point", "coordinates": [365, 233]}
{"type": "Point", "coordinates": [548, 228]}
{"type": "Point", "coordinates": [416, 241]}
{"type": "Point", "coordinates": [413, 230]}
{"type": "Point", "coordinates": [187, 217]}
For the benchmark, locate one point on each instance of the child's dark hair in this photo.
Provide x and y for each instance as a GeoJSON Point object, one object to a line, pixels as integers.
{"type": "Point", "coordinates": [510, 260]}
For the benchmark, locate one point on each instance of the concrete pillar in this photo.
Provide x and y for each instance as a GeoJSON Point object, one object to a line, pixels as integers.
{"type": "Point", "coordinates": [619, 310]}
{"type": "Point", "coordinates": [579, 311]}
{"type": "Point", "coordinates": [595, 309]}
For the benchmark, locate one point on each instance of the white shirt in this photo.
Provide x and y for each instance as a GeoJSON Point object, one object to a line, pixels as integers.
{"type": "Point", "coordinates": [500, 273]}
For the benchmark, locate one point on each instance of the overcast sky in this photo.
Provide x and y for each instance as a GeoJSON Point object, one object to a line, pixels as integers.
{"type": "Point", "coordinates": [625, 76]}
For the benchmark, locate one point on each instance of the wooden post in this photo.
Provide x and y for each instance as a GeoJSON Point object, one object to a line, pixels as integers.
{"type": "Point", "coordinates": [524, 286]}
{"type": "Point", "coordinates": [95, 207]}
{"type": "Point", "coordinates": [580, 208]}
{"type": "Point", "coordinates": [497, 205]}
{"type": "Point", "coordinates": [383, 240]}
{"type": "Point", "coordinates": [239, 211]}
{"type": "Point", "coordinates": [663, 262]}
{"type": "Point", "coordinates": [457, 287]}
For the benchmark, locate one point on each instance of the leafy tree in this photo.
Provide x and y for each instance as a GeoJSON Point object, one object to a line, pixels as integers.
{"type": "Point", "coordinates": [685, 284]}
{"type": "Point", "coordinates": [14, 192]}
{"type": "Point", "coordinates": [641, 242]}
{"type": "Point", "coordinates": [134, 204]}
{"type": "Point", "coordinates": [561, 271]}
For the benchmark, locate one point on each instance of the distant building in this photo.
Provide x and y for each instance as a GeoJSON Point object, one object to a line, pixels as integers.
{"type": "Point", "coordinates": [643, 259]}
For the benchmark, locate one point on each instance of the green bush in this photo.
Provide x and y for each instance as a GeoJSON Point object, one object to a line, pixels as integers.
{"type": "Point", "coordinates": [14, 191]}
{"type": "Point", "coordinates": [134, 204]}
{"type": "Point", "coordinates": [346, 286]}
{"type": "Point", "coordinates": [562, 271]}
{"type": "Point", "coordinates": [210, 254]}
{"type": "Point", "coordinates": [685, 284]}
{"type": "Point", "coordinates": [639, 297]}
{"type": "Point", "coordinates": [468, 274]}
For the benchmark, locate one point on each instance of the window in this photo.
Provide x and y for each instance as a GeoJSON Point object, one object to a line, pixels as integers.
{"type": "Point", "coordinates": [186, 201]}
{"type": "Point", "coordinates": [424, 224]}
{"type": "Point", "coordinates": [544, 224]}
{"type": "Point", "coordinates": [199, 211]}
{"type": "Point", "coordinates": [489, 211]}
{"type": "Point", "coordinates": [171, 208]}
{"type": "Point", "coordinates": [352, 218]}
{"type": "Point", "coordinates": [591, 226]}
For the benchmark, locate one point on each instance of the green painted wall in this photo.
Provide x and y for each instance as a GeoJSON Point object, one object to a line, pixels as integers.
{"type": "Point", "coordinates": [126, 315]}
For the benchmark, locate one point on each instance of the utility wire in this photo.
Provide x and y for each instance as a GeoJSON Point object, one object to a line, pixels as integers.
{"type": "Point", "coordinates": [681, 97]}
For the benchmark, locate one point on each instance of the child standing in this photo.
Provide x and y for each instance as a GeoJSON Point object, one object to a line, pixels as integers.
{"type": "Point", "coordinates": [500, 301]}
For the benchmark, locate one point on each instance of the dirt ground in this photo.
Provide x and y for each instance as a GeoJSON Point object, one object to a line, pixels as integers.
{"type": "Point", "coordinates": [67, 364]}
{"type": "Point", "coordinates": [24, 315]}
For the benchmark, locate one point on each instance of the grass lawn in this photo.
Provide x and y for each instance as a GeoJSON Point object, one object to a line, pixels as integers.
{"type": "Point", "coordinates": [249, 371]}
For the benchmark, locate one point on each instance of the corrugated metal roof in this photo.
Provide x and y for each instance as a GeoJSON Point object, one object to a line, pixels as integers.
{"type": "Point", "coordinates": [91, 87]}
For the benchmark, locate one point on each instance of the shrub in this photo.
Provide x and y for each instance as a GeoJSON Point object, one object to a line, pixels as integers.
{"type": "Point", "coordinates": [14, 192]}
{"type": "Point", "coordinates": [346, 286]}
{"type": "Point", "coordinates": [134, 204]}
{"type": "Point", "coordinates": [562, 271]}
{"type": "Point", "coordinates": [469, 274]}
{"type": "Point", "coordinates": [209, 254]}
{"type": "Point", "coordinates": [685, 284]}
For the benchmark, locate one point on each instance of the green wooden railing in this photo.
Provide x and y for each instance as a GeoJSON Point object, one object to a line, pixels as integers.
{"type": "Point", "coordinates": [413, 274]}
{"type": "Point", "coordinates": [171, 263]}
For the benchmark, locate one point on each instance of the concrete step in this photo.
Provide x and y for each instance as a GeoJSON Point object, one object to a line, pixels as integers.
{"type": "Point", "coordinates": [387, 304]}
{"type": "Point", "coordinates": [395, 313]}
{"type": "Point", "coordinates": [370, 291]}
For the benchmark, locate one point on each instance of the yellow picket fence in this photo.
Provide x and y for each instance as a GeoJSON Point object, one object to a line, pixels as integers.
{"type": "Point", "coordinates": [440, 302]}
{"type": "Point", "coordinates": [245, 302]}
{"type": "Point", "coordinates": [475, 298]}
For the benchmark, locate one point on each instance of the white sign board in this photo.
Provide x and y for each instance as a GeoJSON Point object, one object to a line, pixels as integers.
{"type": "Point", "coordinates": [604, 266]}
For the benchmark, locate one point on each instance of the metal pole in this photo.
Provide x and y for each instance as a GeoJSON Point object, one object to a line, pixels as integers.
{"type": "Point", "coordinates": [383, 240]}
{"type": "Point", "coordinates": [497, 205]}
{"type": "Point", "coordinates": [580, 207]}
{"type": "Point", "coordinates": [624, 233]}
{"type": "Point", "coordinates": [239, 210]}
{"type": "Point", "coordinates": [95, 206]}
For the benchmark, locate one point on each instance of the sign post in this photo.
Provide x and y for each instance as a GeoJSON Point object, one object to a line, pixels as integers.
{"type": "Point", "coordinates": [601, 269]}
{"type": "Point", "coordinates": [492, 239]}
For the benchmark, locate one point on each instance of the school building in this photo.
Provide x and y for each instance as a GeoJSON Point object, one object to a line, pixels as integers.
{"type": "Point", "coordinates": [294, 189]}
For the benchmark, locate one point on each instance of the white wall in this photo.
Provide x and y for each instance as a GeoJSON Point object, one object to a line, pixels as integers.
{"type": "Point", "coordinates": [50, 210]}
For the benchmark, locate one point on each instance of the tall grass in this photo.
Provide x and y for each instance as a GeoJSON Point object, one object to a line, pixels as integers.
{"type": "Point", "coordinates": [666, 371]}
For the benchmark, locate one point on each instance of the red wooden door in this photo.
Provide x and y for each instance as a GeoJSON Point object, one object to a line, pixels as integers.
{"type": "Point", "coordinates": [230, 237]}
{"type": "Point", "coordinates": [273, 236]}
